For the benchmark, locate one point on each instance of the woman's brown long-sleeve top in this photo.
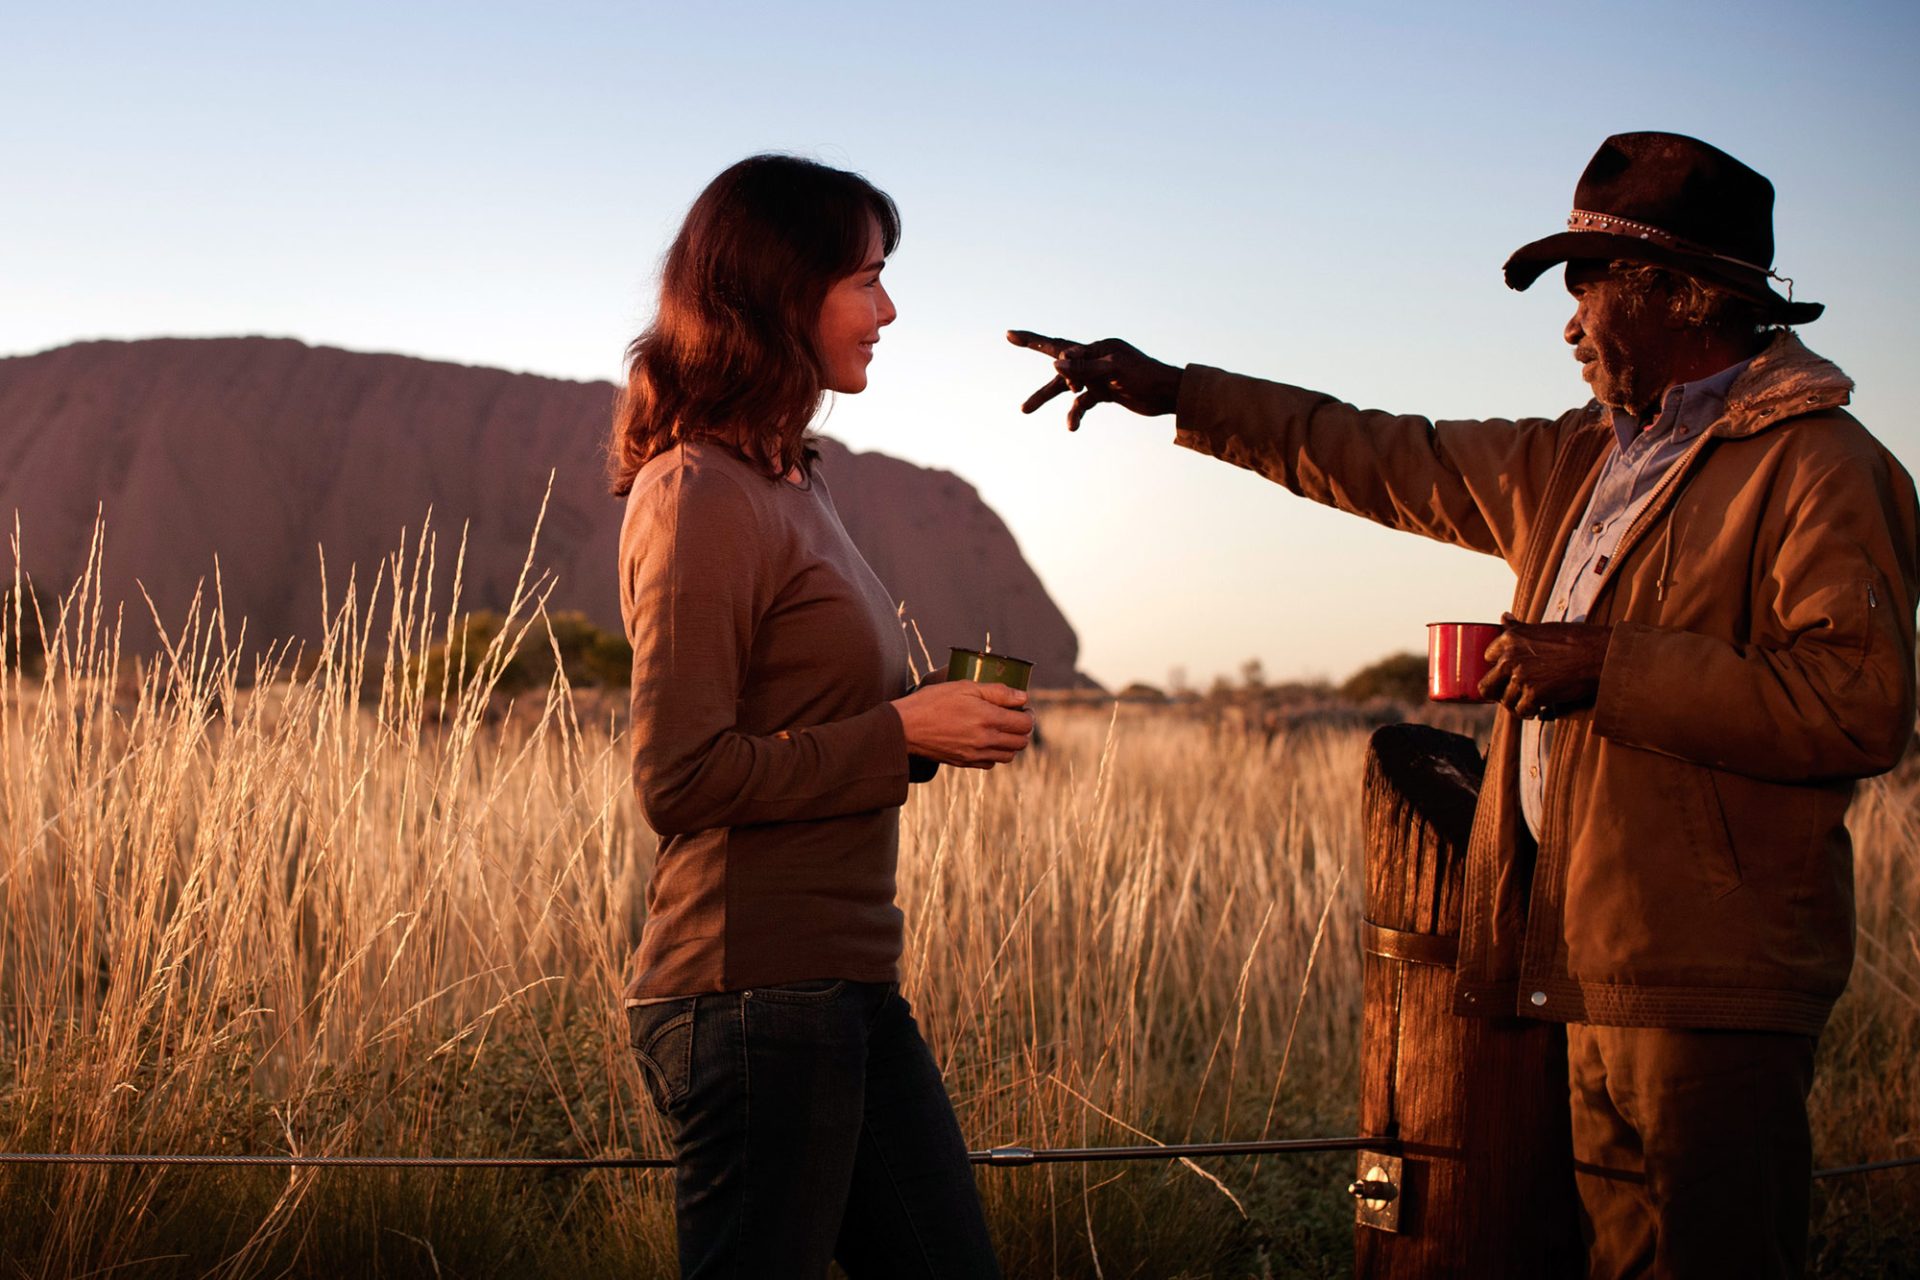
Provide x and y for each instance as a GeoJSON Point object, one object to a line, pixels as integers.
{"type": "Point", "coordinates": [766, 753]}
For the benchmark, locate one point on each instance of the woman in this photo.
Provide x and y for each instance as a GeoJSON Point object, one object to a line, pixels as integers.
{"type": "Point", "coordinates": [772, 726]}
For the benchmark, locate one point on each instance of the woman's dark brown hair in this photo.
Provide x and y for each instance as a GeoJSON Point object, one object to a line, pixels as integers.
{"type": "Point", "coordinates": [730, 353]}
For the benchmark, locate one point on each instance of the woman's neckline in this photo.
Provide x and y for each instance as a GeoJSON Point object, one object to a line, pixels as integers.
{"type": "Point", "coordinates": [803, 485]}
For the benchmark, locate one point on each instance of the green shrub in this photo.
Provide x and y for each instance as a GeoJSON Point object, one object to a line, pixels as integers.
{"type": "Point", "coordinates": [1402, 677]}
{"type": "Point", "coordinates": [589, 656]}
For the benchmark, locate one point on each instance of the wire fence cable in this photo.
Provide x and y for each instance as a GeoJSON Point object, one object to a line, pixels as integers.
{"type": "Point", "coordinates": [996, 1157]}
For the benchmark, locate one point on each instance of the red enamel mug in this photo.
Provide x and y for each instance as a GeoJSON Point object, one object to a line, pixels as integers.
{"type": "Point", "coordinates": [1457, 659]}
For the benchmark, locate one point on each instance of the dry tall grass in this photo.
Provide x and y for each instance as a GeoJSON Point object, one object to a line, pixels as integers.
{"type": "Point", "coordinates": [350, 914]}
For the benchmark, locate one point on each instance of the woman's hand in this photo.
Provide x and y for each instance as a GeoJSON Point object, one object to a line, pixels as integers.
{"type": "Point", "coordinates": [964, 722]}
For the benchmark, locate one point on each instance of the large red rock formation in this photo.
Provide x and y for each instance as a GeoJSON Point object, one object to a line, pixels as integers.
{"type": "Point", "coordinates": [263, 451]}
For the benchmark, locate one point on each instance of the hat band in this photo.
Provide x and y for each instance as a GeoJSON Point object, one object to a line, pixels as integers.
{"type": "Point", "coordinates": [1588, 220]}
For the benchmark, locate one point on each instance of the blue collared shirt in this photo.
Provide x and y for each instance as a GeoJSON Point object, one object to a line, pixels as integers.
{"type": "Point", "coordinates": [1627, 482]}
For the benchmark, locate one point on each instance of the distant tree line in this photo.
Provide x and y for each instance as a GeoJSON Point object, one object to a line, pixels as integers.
{"type": "Point", "coordinates": [589, 656]}
{"type": "Point", "coordinates": [1400, 677]}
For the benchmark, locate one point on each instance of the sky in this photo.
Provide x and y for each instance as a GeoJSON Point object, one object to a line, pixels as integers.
{"type": "Point", "coordinates": [1317, 194]}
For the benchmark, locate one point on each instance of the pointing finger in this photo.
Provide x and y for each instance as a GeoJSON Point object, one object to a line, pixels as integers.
{"type": "Point", "coordinates": [1038, 341]}
{"type": "Point", "coordinates": [1044, 394]}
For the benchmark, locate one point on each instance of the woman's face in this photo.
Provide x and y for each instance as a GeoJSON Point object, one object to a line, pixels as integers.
{"type": "Point", "coordinates": [856, 309]}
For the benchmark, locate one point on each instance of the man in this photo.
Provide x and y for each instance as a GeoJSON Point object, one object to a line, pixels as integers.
{"type": "Point", "coordinates": [1711, 640]}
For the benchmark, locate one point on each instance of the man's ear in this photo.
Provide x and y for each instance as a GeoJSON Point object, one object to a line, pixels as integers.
{"type": "Point", "coordinates": [1675, 310]}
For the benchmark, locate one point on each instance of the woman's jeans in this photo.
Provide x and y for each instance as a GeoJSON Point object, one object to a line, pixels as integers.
{"type": "Point", "coordinates": [809, 1122]}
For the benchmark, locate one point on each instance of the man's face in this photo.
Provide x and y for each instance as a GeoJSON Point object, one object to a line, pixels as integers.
{"type": "Point", "coordinates": [1625, 351]}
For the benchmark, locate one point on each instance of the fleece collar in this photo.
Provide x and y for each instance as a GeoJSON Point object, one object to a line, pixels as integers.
{"type": "Point", "coordinates": [1783, 381]}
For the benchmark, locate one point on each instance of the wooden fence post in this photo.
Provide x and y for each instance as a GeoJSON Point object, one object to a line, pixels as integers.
{"type": "Point", "coordinates": [1478, 1105]}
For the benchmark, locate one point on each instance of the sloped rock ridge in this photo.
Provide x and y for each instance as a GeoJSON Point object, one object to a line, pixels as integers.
{"type": "Point", "coordinates": [265, 451]}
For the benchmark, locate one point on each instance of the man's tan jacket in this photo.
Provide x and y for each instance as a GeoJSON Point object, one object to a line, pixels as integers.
{"type": "Point", "coordinates": [1693, 868]}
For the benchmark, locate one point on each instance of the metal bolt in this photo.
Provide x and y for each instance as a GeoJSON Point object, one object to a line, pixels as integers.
{"type": "Point", "coordinates": [1373, 1189]}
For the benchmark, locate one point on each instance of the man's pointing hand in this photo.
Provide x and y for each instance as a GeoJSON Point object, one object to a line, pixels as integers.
{"type": "Point", "coordinates": [1098, 371]}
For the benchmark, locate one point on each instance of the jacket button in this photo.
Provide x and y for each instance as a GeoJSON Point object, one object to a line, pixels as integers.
{"type": "Point", "coordinates": [1539, 998]}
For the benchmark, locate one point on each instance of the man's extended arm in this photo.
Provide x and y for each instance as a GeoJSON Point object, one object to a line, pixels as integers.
{"type": "Point", "coordinates": [1476, 484]}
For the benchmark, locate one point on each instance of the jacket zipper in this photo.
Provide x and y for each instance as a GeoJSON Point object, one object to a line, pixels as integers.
{"type": "Point", "coordinates": [1476, 891]}
{"type": "Point", "coordinates": [1536, 969]}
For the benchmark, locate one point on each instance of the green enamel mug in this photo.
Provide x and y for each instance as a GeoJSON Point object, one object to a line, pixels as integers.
{"type": "Point", "coordinates": [990, 668]}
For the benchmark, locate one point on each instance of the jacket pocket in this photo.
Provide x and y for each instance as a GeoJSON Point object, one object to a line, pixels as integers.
{"type": "Point", "coordinates": [1854, 611]}
{"type": "Point", "coordinates": [1700, 827]}
{"type": "Point", "coordinates": [661, 1036]}
{"type": "Point", "coordinates": [1881, 625]}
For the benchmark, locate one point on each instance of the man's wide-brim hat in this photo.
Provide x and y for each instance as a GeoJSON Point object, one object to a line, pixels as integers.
{"type": "Point", "coordinates": [1676, 202]}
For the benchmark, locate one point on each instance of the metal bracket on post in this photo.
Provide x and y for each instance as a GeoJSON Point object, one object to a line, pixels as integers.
{"type": "Point", "coordinates": [1376, 1194]}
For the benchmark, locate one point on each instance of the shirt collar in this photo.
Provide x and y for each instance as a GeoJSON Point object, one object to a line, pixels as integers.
{"type": "Point", "coordinates": [1693, 405]}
